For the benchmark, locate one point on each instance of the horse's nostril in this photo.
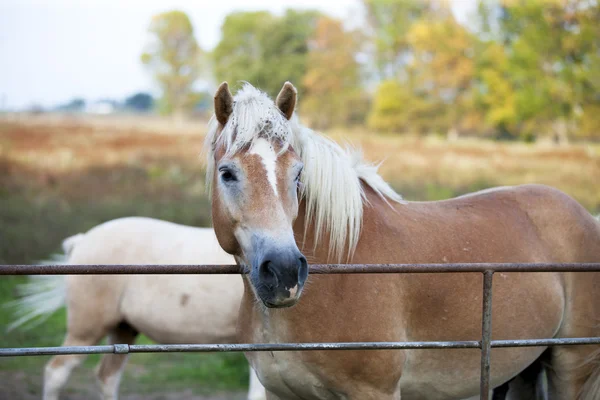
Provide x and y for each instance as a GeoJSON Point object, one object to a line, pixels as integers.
{"type": "Point", "coordinates": [267, 273]}
{"type": "Point", "coordinates": [303, 269]}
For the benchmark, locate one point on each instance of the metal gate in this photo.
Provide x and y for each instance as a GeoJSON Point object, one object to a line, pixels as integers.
{"type": "Point", "coordinates": [485, 344]}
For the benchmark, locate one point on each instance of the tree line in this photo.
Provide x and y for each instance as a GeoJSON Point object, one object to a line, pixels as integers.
{"type": "Point", "coordinates": [519, 69]}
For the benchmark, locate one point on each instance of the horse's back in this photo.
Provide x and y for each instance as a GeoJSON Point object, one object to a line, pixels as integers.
{"type": "Point", "coordinates": [566, 230]}
{"type": "Point", "coordinates": [154, 241]}
{"type": "Point", "coordinates": [167, 308]}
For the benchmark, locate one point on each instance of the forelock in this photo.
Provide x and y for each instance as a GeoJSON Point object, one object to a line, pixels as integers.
{"type": "Point", "coordinates": [254, 116]}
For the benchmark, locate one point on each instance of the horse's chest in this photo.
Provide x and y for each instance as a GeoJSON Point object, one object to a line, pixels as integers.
{"type": "Point", "coordinates": [284, 373]}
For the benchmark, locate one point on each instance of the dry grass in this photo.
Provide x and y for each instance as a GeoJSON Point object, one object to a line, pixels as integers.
{"type": "Point", "coordinates": [468, 165]}
{"type": "Point", "coordinates": [421, 168]}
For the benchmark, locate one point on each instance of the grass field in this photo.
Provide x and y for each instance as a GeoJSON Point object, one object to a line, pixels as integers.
{"type": "Point", "coordinates": [61, 176]}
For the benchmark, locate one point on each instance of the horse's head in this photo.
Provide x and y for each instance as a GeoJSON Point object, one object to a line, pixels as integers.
{"type": "Point", "coordinates": [254, 175]}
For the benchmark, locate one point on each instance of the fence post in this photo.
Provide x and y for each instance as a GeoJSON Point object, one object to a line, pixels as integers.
{"type": "Point", "coordinates": [486, 333]}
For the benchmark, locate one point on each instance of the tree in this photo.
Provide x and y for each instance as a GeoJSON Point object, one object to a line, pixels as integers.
{"type": "Point", "coordinates": [442, 71]}
{"type": "Point", "coordinates": [286, 50]}
{"type": "Point", "coordinates": [173, 55]}
{"type": "Point", "coordinates": [75, 105]}
{"type": "Point", "coordinates": [390, 111]}
{"type": "Point", "coordinates": [239, 54]}
{"type": "Point", "coordinates": [332, 81]}
{"type": "Point", "coordinates": [264, 49]}
{"type": "Point", "coordinates": [547, 58]}
{"type": "Point", "coordinates": [141, 102]}
{"type": "Point", "coordinates": [496, 98]}
{"type": "Point", "coordinates": [389, 22]}
{"type": "Point", "coordinates": [432, 86]}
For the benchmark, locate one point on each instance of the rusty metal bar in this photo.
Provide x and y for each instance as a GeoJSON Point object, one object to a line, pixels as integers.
{"type": "Point", "coordinates": [205, 348]}
{"type": "Point", "coordinates": [486, 335]}
{"type": "Point", "coordinates": [127, 269]}
{"type": "Point", "coordinates": [544, 342]}
{"type": "Point", "coordinates": [208, 348]}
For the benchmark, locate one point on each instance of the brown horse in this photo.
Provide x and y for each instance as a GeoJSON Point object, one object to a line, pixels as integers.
{"type": "Point", "coordinates": [276, 183]}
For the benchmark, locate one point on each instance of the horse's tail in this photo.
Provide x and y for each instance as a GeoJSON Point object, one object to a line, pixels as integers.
{"type": "Point", "coordinates": [43, 295]}
{"type": "Point", "coordinates": [69, 243]}
{"type": "Point", "coordinates": [591, 388]}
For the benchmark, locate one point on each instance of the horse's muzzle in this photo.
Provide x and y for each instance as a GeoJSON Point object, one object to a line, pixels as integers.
{"type": "Point", "coordinates": [279, 276]}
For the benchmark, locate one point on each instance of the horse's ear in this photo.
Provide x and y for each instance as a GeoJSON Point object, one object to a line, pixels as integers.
{"type": "Point", "coordinates": [286, 99]}
{"type": "Point", "coordinates": [223, 103]}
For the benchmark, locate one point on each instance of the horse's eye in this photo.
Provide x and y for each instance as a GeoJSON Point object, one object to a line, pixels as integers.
{"type": "Point", "coordinates": [227, 176]}
{"type": "Point", "coordinates": [297, 180]}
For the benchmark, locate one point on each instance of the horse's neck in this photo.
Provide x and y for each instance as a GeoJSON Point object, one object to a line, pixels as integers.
{"type": "Point", "coordinates": [381, 218]}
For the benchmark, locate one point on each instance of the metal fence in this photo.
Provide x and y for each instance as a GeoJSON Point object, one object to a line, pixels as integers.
{"type": "Point", "coordinates": [485, 344]}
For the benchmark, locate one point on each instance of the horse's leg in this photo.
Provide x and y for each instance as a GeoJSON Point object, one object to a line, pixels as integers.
{"type": "Point", "coordinates": [256, 391]}
{"type": "Point", "coordinates": [500, 392]}
{"type": "Point", "coordinates": [58, 369]}
{"type": "Point", "coordinates": [574, 373]}
{"type": "Point", "coordinates": [525, 386]}
{"type": "Point", "coordinates": [111, 366]}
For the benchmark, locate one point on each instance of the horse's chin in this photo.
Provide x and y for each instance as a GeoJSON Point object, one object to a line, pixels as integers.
{"type": "Point", "coordinates": [285, 304]}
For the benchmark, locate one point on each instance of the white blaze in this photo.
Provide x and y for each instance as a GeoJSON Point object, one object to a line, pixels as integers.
{"type": "Point", "coordinates": [264, 149]}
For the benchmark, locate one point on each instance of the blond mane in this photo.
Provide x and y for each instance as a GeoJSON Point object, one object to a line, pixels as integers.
{"type": "Point", "coordinates": [331, 180]}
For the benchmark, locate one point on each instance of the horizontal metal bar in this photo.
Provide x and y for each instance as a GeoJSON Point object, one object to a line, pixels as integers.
{"type": "Point", "coordinates": [545, 342]}
{"type": "Point", "coordinates": [128, 269]}
{"type": "Point", "coordinates": [49, 351]}
{"type": "Point", "coordinates": [209, 348]}
{"type": "Point", "coordinates": [117, 269]}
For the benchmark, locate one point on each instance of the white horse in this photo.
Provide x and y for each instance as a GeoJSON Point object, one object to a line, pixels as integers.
{"type": "Point", "coordinates": [166, 308]}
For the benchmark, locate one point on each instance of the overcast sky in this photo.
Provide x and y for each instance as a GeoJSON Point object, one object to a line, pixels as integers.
{"type": "Point", "coordinates": [54, 50]}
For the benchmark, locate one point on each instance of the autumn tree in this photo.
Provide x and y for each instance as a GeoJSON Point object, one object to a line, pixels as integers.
{"type": "Point", "coordinates": [542, 82]}
{"type": "Point", "coordinates": [264, 49]}
{"type": "Point", "coordinates": [388, 22]}
{"type": "Point", "coordinates": [520, 68]}
{"type": "Point", "coordinates": [286, 49]}
{"type": "Point", "coordinates": [442, 72]}
{"type": "Point", "coordinates": [391, 109]}
{"type": "Point", "coordinates": [239, 54]}
{"type": "Point", "coordinates": [173, 56]}
{"type": "Point", "coordinates": [332, 82]}
{"type": "Point", "coordinates": [433, 87]}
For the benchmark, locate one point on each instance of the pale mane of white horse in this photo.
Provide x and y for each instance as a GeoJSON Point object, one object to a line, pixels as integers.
{"type": "Point", "coordinates": [331, 180]}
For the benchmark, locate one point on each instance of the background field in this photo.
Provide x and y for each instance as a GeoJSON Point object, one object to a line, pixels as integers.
{"type": "Point", "coordinates": [63, 175]}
